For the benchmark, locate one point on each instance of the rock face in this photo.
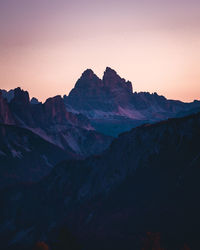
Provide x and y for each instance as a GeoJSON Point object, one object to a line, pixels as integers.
{"type": "Point", "coordinates": [147, 181]}
{"type": "Point", "coordinates": [8, 95]}
{"type": "Point", "coordinates": [53, 122]}
{"type": "Point", "coordinates": [71, 134]}
{"type": "Point", "coordinates": [107, 192]}
{"type": "Point", "coordinates": [113, 81]}
{"type": "Point", "coordinates": [5, 113]}
{"type": "Point", "coordinates": [91, 93]}
{"type": "Point", "coordinates": [54, 110]}
{"type": "Point", "coordinates": [112, 107]}
{"type": "Point", "coordinates": [34, 101]}
{"type": "Point", "coordinates": [26, 157]}
{"type": "Point", "coordinates": [20, 97]}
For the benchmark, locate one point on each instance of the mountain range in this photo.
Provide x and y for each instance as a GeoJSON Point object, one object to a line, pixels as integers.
{"type": "Point", "coordinates": [101, 168]}
{"type": "Point", "coordinates": [146, 181]}
{"type": "Point", "coordinates": [70, 134]}
{"type": "Point", "coordinates": [112, 107]}
{"type": "Point", "coordinates": [82, 123]}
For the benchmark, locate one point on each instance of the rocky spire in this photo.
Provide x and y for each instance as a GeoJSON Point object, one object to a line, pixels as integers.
{"type": "Point", "coordinates": [113, 80]}
{"type": "Point", "coordinates": [21, 97]}
{"type": "Point", "coordinates": [88, 74]}
{"type": "Point", "coordinates": [88, 80]}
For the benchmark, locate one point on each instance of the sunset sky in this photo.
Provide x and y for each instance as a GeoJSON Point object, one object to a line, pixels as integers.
{"type": "Point", "coordinates": [45, 45]}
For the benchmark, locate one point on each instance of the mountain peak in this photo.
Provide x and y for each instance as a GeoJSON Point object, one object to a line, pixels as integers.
{"type": "Point", "coordinates": [20, 97]}
{"type": "Point", "coordinates": [110, 71]}
{"type": "Point", "coordinates": [8, 95]}
{"type": "Point", "coordinates": [88, 74]}
{"type": "Point", "coordinates": [110, 74]}
{"type": "Point", "coordinates": [56, 100]}
{"type": "Point", "coordinates": [112, 79]}
{"type": "Point", "coordinates": [87, 80]}
{"type": "Point", "coordinates": [34, 101]}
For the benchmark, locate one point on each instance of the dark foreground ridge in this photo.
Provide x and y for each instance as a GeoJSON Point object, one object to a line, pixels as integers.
{"type": "Point", "coordinates": [146, 181]}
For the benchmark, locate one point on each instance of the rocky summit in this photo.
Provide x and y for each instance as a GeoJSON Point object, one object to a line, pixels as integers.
{"type": "Point", "coordinates": [112, 107]}
{"type": "Point", "coordinates": [67, 183]}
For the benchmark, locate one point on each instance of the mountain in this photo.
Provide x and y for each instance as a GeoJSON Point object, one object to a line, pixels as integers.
{"type": "Point", "coordinates": [34, 101]}
{"type": "Point", "coordinates": [64, 181]}
{"type": "Point", "coordinates": [5, 113]}
{"type": "Point", "coordinates": [8, 95]}
{"type": "Point", "coordinates": [53, 122]}
{"type": "Point", "coordinates": [62, 134]}
{"type": "Point", "coordinates": [106, 95]}
{"type": "Point", "coordinates": [112, 107]}
{"type": "Point", "coordinates": [26, 157]}
{"type": "Point", "coordinates": [146, 181]}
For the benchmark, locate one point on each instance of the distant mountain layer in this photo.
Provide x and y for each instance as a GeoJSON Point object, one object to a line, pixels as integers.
{"type": "Point", "coordinates": [147, 181]}
{"type": "Point", "coordinates": [112, 107]}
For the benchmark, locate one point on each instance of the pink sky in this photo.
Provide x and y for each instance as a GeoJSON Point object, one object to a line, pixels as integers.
{"type": "Point", "coordinates": [47, 44]}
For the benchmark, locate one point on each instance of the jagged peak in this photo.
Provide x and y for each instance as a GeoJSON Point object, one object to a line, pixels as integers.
{"type": "Point", "coordinates": [55, 99]}
{"type": "Point", "coordinates": [111, 75]}
{"type": "Point", "coordinates": [109, 70]}
{"type": "Point", "coordinates": [8, 95]}
{"type": "Point", "coordinates": [87, 80]}
{"type": "Point", "coordinates": [20, 96]}
{"type": "Point", "coordinates": [34, 101]}
{"type": "Point", "coordinates": [88, 73]}
{"type": "Point", "coordinates": [111, 78]}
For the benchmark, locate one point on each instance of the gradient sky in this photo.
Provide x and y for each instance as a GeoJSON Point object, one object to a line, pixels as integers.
{"type": "Point", "coordinates": [45, 45]}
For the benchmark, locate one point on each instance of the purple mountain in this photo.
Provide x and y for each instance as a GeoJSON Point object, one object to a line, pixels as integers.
{"type": "Point", "coordinates": [147, 181]}
{"type": "Point", "coordinates": [35, 137]}
{"type": "Point", "coordinates": [53, 122]}
{"type": "Point", "coordinates": [112, 107]}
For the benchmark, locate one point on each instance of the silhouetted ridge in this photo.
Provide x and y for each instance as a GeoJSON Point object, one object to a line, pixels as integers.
{"type": "Point", "coordinates": [147, 181]}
